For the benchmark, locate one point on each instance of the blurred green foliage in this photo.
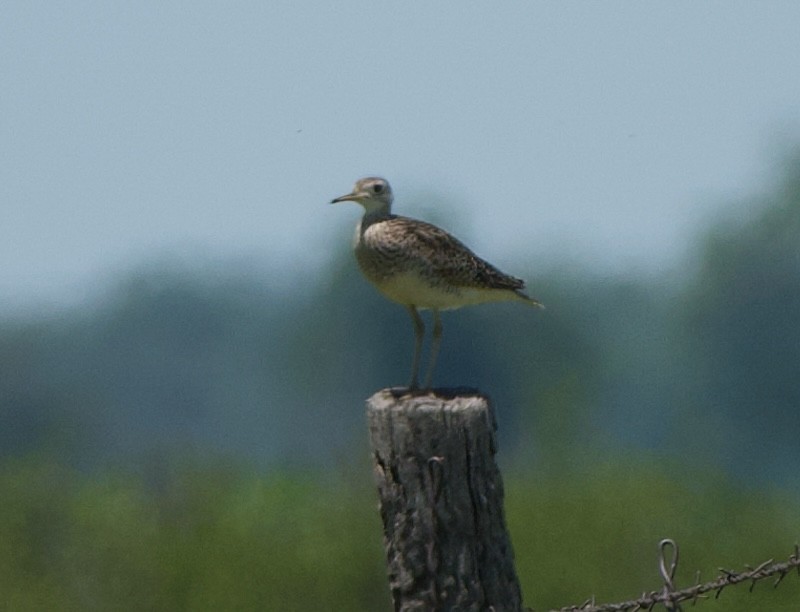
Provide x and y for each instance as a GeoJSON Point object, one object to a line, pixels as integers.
{"type": "Point", "coordinates": [226, 538]}
{"type": "Point", "coordinates": [597, 533]}
{"type": "Point", "coordinates": [205, 538]}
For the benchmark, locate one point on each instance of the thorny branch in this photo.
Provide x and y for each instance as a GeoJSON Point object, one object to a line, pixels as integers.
{"type": "Point", "coordinates": [670, 598]}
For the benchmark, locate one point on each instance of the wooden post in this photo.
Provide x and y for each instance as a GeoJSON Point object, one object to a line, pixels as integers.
{"type": "Point", "coordinates": [441, 501]}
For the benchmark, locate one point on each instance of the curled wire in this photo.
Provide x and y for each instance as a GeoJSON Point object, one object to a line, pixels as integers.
{"type": "Point", "coordinates": [670, 597]}
{"type": "Point", "coordinates": [668, 574]}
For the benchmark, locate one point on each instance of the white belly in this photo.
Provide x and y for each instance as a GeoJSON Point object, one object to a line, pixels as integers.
{"type": "Point", "coordinates": [410, 289]}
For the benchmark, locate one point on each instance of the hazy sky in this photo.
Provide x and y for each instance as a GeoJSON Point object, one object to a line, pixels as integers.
{"type": "Point", "coordinates": [598, 132]}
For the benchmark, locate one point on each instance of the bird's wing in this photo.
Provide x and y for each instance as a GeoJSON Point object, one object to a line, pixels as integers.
{"type": "Point", "coordinates": [447, 257]}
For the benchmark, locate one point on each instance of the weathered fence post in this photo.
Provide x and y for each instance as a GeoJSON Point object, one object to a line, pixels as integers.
{"type": "Point", "coordinates": [441, 501]}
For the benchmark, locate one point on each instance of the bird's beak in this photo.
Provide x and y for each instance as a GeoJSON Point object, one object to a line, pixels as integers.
{"type": "Point", "coordinates": [350, 197]}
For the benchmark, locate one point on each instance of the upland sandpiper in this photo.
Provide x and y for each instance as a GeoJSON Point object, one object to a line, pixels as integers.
{"type": "Point", "coordinates": [421, 266]}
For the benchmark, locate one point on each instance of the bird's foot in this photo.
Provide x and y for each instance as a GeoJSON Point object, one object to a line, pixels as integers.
{"type": "Point", "coordinates": [412, 390]}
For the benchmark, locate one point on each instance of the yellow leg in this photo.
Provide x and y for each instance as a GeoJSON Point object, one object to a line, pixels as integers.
{"type": "Point", "coordinates": [437, 340]}
{"type": "Point", "coordinates": [419, 332]}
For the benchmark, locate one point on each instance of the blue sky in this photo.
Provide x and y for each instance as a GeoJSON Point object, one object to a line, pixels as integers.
{"type": "Point", "coordinates": [596, 133]}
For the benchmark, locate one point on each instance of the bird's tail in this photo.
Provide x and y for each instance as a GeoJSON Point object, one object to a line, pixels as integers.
{"type": "Point", "coordinates": [529, 300]}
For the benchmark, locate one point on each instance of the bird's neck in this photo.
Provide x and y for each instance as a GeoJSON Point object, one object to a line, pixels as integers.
{"type": "Point", "coordinates": [371, 217]}
{"type": "Point", "coordinates": [374, 216]}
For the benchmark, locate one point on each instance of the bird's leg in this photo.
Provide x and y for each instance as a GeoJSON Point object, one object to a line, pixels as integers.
{"type": "Point", "coordinates": [419, 332]}
{"type": "Point", "coordinates": [437, 340]}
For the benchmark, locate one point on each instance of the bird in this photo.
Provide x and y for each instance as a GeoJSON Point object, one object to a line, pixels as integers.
{"type": "Point", "coordinates": [421, 266]}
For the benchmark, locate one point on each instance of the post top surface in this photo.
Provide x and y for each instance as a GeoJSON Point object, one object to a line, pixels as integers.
{"type": "Point", "coordinates": [446, 393]}
{"type": "Point", "coordinates": [450, 399]}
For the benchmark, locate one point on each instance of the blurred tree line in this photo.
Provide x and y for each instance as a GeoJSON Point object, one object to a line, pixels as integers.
{"type": "Point", "coordinates": [705, 364]}
{"type": "Point", "coordinates": [135, 433]}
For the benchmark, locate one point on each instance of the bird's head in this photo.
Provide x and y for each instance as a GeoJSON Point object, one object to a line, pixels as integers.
{"type": "Point", "coordinates": [373, 193]}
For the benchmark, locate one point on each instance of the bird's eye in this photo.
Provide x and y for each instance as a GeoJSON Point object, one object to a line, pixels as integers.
{"type": "Point", "coordinates": [377, 188]}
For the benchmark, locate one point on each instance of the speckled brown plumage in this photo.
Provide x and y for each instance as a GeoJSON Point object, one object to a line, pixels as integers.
{"type": "Point", "coordinates": [390, 245]}
{"type": "Point", "coordinates": [420, 265]}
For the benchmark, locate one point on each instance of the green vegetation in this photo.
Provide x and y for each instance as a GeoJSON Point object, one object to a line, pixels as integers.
{"type": "Point", "coordinates": [204, 539]}
{"type": "Point", "coordinates": [597, 533]}
{"type": "Point", "coordinates": [211, 538]}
